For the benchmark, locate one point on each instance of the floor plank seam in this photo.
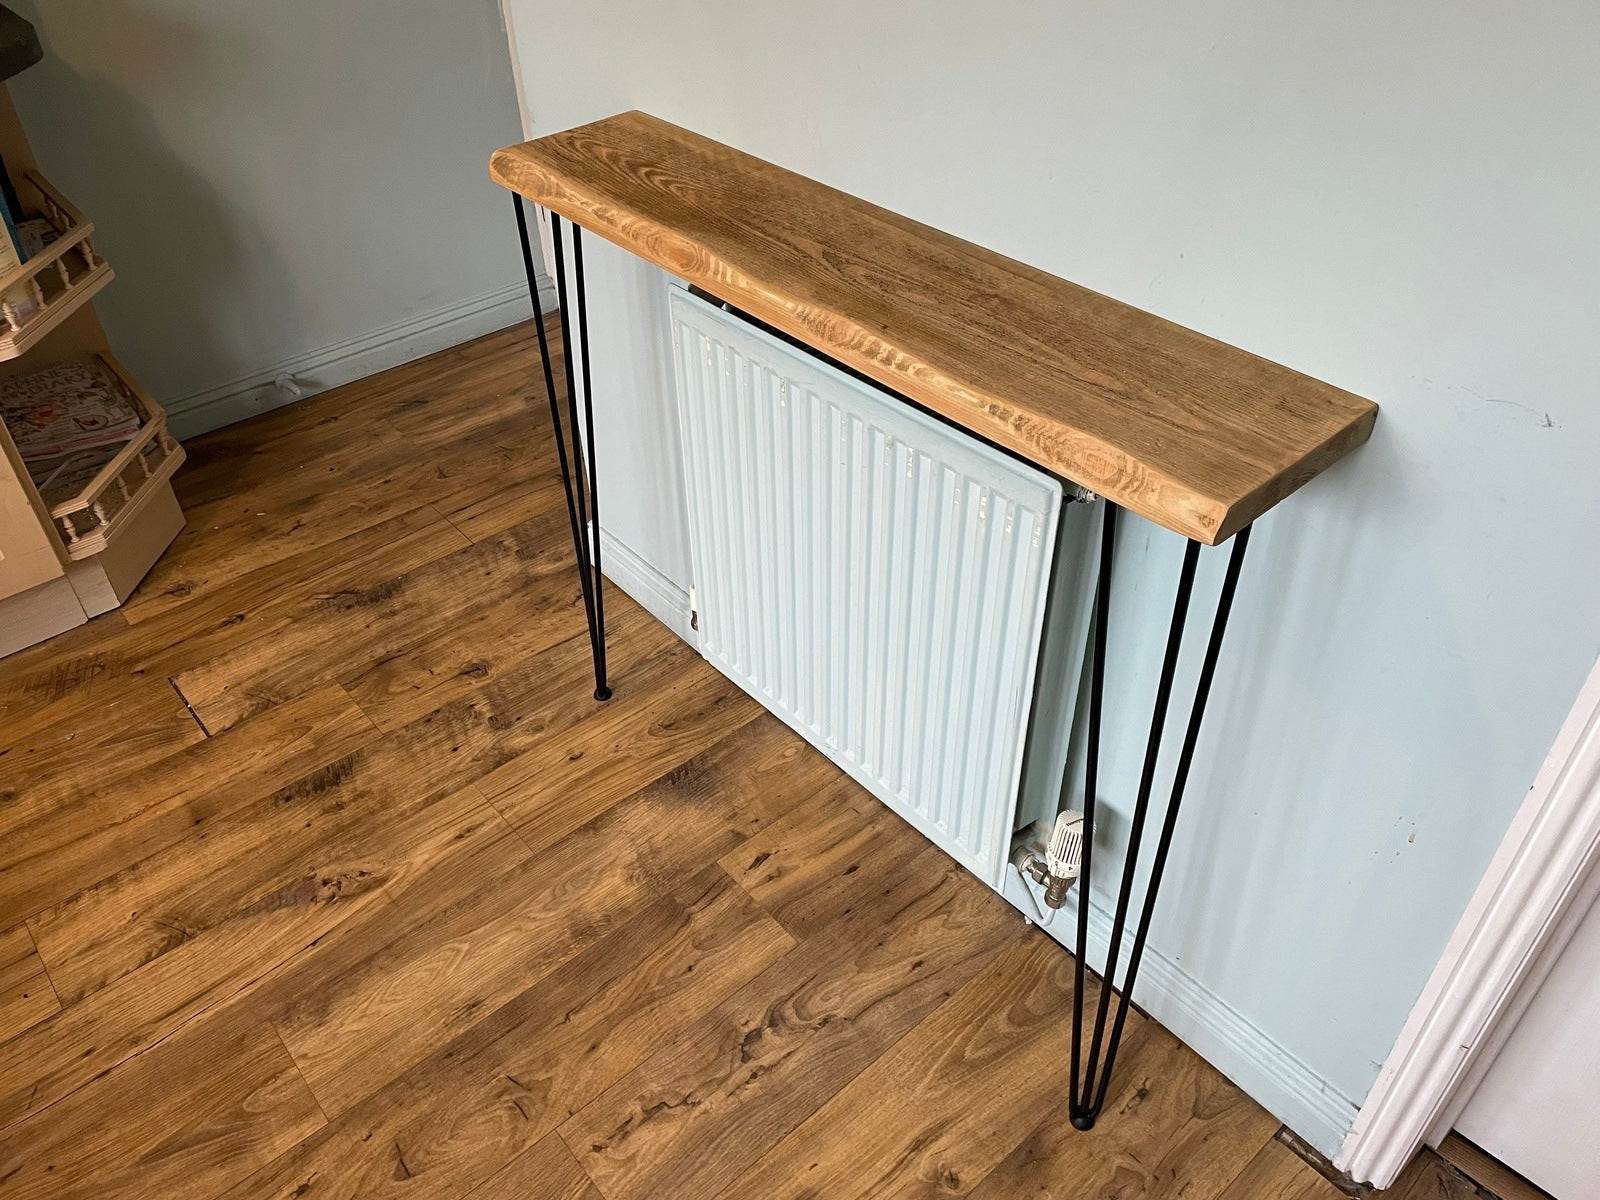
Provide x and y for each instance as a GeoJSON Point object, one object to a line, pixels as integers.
{"type": "Point", "coordinates": [174, 682]}
{"type": "Point", "coordinates": [798, 936]}
{"type": "Point", "coordinates": [504, 820]}
{"type": "Point", "coordinates": [579, 1159]}
{"type": "Point", "coordinates": [298, 1070]}
{"type": "Point", "coordinates": [445, 517]}
{"type": "Point", "coordinates": [27, 925]}
{"type": "Point", "coordinates": [378, 730]}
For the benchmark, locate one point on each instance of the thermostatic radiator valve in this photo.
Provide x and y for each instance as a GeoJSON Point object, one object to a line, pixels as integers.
{"type": "Point", "coordinates": [1062, 862]}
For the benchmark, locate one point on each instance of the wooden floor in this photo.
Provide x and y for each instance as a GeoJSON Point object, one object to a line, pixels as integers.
{"type": "Point", "coordinates": [322, 875]}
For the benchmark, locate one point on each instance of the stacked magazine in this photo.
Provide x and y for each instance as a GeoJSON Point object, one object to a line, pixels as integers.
{"type": "Point", "coordinates": [68, 421]}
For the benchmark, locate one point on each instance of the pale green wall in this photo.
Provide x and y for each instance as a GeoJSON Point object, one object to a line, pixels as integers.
{"type": "Point", "coordinates": [1400, 199]}
{"type": "Point", "coordinates": [275, 179]}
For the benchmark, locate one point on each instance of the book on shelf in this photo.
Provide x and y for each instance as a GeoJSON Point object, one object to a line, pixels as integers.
{"type": "Point", "coordinates": [8, 194]}
{"type": "Point", "coordinates": [33, 235]}
{"type": "Point", "coordinates": [67, 409]}
{"type": "Point", "coordinates": [12, 254]}
{"type": "Point", "coordinates": [16, 247]}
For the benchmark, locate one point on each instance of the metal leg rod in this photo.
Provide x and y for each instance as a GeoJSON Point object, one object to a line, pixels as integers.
{"type": "Point", "coordinates": [565, 308]}
{"type": "Point", "coordinates": [555, 412]}
{"type": "Point", "coordinates": [1141, 806]}
{"type": "Point", "coordinates": [583, 479]}
{"type": "Point", "coordinates": [1180, 780]}
{"type": "Point", "coordinates": [1091, 782]}
{"type": "Point", "coordinates": [1094, 1074]}
{"type": "Point", "coordinates": [601, 691]}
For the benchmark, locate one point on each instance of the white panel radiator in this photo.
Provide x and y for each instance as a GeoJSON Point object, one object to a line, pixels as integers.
{"type": "Point", "coordinates": [873, 576]}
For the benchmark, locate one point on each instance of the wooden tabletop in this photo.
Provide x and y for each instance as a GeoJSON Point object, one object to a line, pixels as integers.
{"type": "Point", "coordinates": [1192, 433]}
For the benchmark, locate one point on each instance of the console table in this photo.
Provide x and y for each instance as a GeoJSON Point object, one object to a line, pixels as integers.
{"type": "Point", "coordinates": [1193, 434]}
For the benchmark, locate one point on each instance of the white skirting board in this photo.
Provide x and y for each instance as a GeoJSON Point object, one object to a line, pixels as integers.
{"type": "Point", "coordinates": [1263, 1068]}
{"type": "Point", "coordinates": [344, 362]}
{"type": "Point", "coordinates": [659, 596]}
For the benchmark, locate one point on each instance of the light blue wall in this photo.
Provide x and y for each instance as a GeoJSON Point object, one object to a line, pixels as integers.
{"type": "Point", "coordinates": [286, 185]}
{"type": "Point", "coordinates": [1401, 200]}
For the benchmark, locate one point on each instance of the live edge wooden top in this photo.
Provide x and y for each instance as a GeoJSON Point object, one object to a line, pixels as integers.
{"type": "Point", "coordinates": [1194, 434]}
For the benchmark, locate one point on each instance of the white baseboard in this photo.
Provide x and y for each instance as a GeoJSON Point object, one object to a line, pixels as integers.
{"type": "Point", "coordinates": [343, 362]}
{"type": "Point", "coordinates": [656, 594]}
{"type": "Point", "coordinates": [1262, 1067]}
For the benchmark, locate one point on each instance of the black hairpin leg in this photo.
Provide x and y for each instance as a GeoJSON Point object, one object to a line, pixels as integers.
{"type": "Point", "coordinates": [577, 469]}
{"type": "Point", "coordinates": [1090, 1081]}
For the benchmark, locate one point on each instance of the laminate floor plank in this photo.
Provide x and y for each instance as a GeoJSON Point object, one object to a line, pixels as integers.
{"type": "Point", "coordinates": [38, 694]}
{"type": "Point", "coordinates": [225, 938]}
{"type": "Point", "coordinates": [89, 749]}
{"type": "Point", "coordinates": [486, 391]}
{"type": "Point", "coordinates": [1171, 1126]}
{"type": "Point", "coordinates": [318, 443]}
{"type": "Point", "coordinates": [1278, 1173]}
{"type": "Point", "coordinates": [484, 461]}
{"type": "Point", "coordinates": [566, 781]}
{"type": "Point", "coordinates": [393, 989]}
{"type": "Point", "coordinates": [811, 867]}
{"type": "Point", "coordinates": [69, 833]}
{"type": "Point", "coordinates": [410, 682]}
{"type": "Point", "coordinates": [479, 519]}
{"type": "Point", "coordinates": [335, 832]}
{"type": "Point", "coordinates": [188, 1117]}
{"type": "Point", "coordinates": [302, 507]}
{"type": "Point", "coordinates": [26, 994]}
{"type": "Point", "coordinates": [547, 1171]}
{"type": "Point", "coordinates": [356, 627]}
{"type": "Point", "coordinates": [693, 1116]}
{"type": "Point", "coordinates": [498, 1090]}
{"type": "Point", "coordinates": [254, 869]}
{"type": "Point", "coordinates": [347, 484]}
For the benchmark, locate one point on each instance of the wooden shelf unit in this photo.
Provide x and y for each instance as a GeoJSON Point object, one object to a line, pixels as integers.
{"type": "Point", "coordinates": [61, 278]}
{"type": "Point", "coordinates": [1197, 435]}
{"type": "Point", "coordinates": [62, 564]}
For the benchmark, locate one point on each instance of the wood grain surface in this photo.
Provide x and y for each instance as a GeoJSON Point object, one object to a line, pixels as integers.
{"type": "Point", "coordinates": [322, 877]}
{"type": "Point", "coordinates": [1192, 433]}
{"type": "Point", "coordinates": [1483, 1168]}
